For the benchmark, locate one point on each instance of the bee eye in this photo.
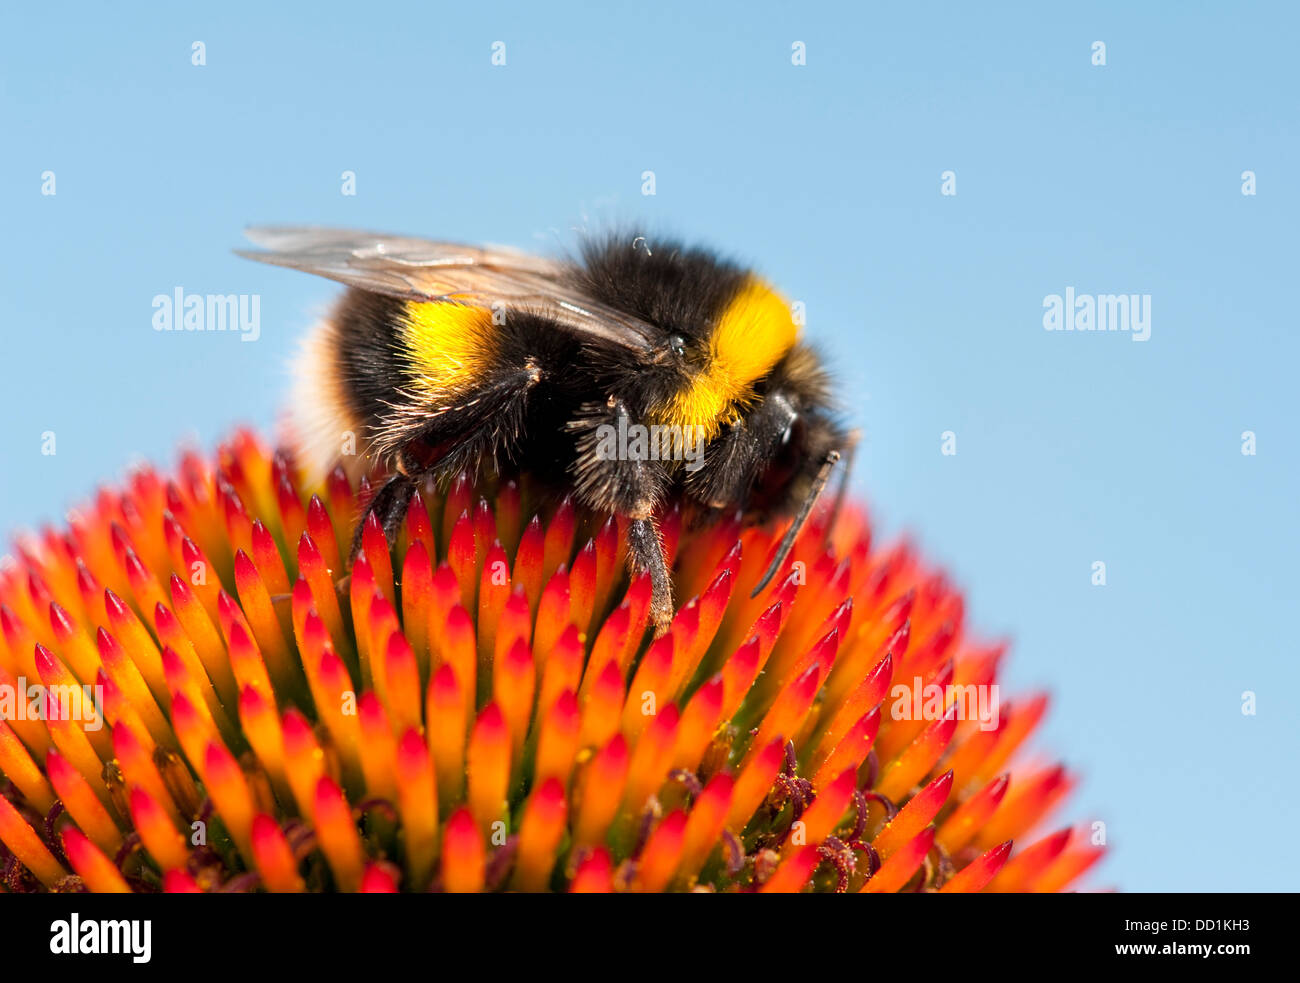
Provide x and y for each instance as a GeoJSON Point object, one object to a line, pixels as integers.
{"type": "Point", "coordinates": [677, 344]}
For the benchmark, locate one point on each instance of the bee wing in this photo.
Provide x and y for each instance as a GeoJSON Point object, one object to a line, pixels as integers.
{"type": "Point", "coordinates": [426, 270]}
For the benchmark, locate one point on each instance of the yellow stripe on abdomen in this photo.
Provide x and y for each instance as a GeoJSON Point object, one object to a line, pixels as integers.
{"type": "Point", "coordinates": [451, 346]}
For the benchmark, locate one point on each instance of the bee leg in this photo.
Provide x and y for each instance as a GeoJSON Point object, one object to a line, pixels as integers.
{"type": "Point", "coordinates": [389, 505]}
{"type": "Point", "coordinates": [646, 552]}
{"type": "Point", "coordinates": [725, 477]}
{"type": "Point", "coordinates": [622, 478]}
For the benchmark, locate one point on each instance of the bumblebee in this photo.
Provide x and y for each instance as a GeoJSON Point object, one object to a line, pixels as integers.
{"type": "Point", "coordinates": [627, 374]}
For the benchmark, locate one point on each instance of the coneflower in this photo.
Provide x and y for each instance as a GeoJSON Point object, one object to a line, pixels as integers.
{"type": "Point", "coordinates": [200, 697]}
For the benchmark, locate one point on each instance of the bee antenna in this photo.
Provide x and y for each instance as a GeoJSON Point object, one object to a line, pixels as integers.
{"type": "Point", "coordinates": [805, 508]}
{"type": "Point", "coordinates": [841, 493]}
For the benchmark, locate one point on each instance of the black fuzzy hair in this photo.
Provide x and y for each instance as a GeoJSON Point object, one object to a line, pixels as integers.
{"type": "Point", "coordinates": [681, 289]}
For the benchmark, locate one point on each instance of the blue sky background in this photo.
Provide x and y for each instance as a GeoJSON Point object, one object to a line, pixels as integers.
{"type": "Point", "coordinates": [1071, 447]}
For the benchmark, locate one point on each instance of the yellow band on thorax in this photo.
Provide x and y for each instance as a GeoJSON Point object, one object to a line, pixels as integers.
{"type": "Point", "coordinates": [754, 333]}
